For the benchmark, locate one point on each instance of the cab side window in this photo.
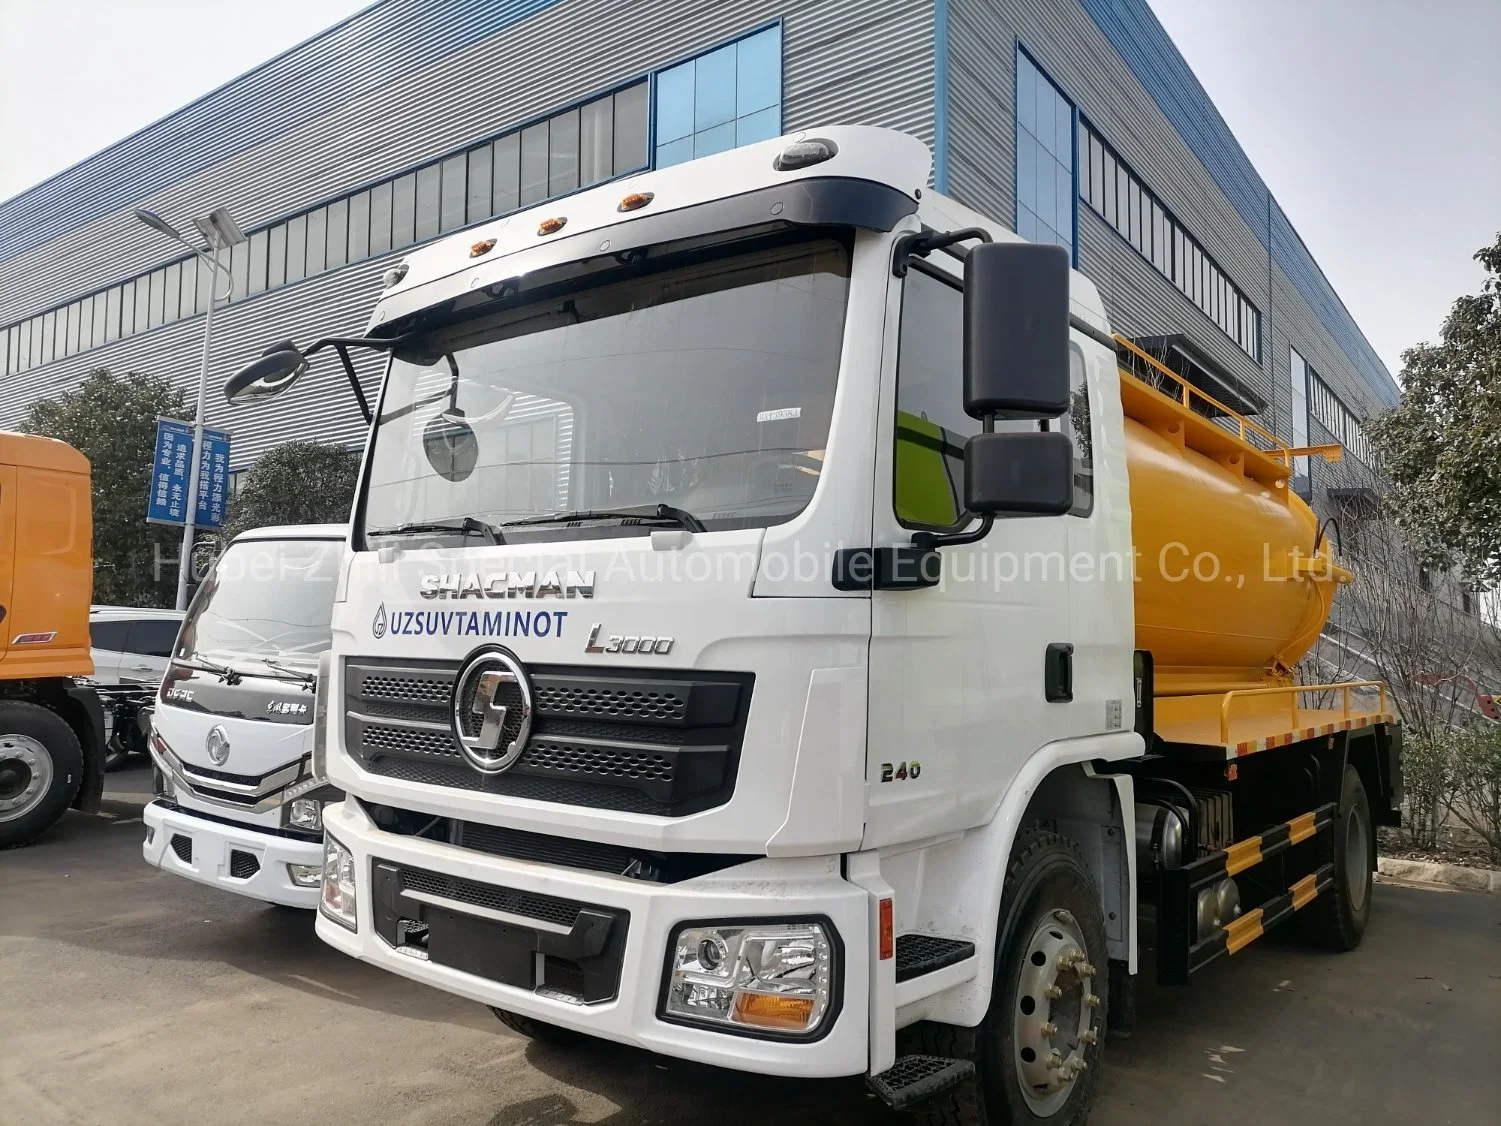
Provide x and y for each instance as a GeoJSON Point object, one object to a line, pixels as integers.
{"type": "Point", "coordinates": [931, 426]}
{"type": "Point", "coordinates": [1076, 424]}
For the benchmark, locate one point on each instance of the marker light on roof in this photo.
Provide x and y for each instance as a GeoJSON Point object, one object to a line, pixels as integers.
{"type": "Point", "coordinates": [484, 246]}
{"type": "Point", "coordinates": [802, 154]}
{"type": "Point", "coordinates": [636, 201]}
{"type": "Point", "coordinates": [551, 226]}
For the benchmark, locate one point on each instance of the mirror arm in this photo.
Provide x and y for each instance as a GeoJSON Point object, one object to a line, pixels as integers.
{"type": "Point", "coordinates": [932, 541]}
{"type": "Point", "coordinates": [923, 243]}
{"type": "Point", "coordinates": [342, 344]}
{"type": "Point", "coordinates": [354, 382]}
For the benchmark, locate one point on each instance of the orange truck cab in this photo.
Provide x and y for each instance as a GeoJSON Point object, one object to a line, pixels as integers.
{"type": "Point", "coordinates": [51, 722]}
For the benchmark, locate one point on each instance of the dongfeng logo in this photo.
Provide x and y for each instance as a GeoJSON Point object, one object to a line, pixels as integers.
{"type": "Point", "coordinates": [492, 710]}
{"type": "Point", "coordinates": [378, 627]}
{"type": "Point", "coordinates": [217, 745]}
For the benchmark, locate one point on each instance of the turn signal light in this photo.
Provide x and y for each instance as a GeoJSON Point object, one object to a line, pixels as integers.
{"type": "Point", "coordinates": [484, 246]}
{"type": "Point", "coordinates": [551, 226]}
{"type": "Point", "coordinates": [636, 201]}
{"type": "Point", "coordinates": [769, 1010]}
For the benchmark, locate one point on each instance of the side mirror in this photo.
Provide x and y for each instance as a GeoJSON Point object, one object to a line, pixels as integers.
{"type": "Point", "coordinates": [1019, 474]}
{"type": "Point", "coordinates": [1016, 331]}
{"type": "Point", "coordinates": [278, 368]}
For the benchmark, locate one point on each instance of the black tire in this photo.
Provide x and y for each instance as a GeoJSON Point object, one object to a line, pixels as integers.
{"type": "Point", "coordinates": [1047, 873]}
{"type": "Point", "coordinates": [22, 727]}
{"type": "Point", "coordinates": [537, 1029]}
{"type": "Point", "coordinates": [1337, 920]}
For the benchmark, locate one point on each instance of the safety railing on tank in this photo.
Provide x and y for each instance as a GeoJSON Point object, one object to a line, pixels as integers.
{"type": "Point", "coordinates": [1251, 433]}
{"type": "Point", "coordinates": [1293, 691]}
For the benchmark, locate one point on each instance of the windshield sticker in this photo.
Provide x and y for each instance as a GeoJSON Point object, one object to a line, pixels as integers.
{"type": "Point", "coordinates": [469, 623]}
{"type": "Point", "coordinates": [779, 415]}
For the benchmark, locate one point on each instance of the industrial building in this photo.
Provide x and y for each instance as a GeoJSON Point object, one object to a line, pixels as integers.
{"type": "Point", "coordinates": [1076, 120]}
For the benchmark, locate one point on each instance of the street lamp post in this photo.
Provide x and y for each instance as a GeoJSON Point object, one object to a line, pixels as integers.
{"type": "Point", "coordinates": [220, 231]}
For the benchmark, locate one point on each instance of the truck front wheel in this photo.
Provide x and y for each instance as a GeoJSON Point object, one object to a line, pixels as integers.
{"type": "Point", "coordinates": [1037, 1051]}
{"type": "Point", "coordinates": [41, 769]}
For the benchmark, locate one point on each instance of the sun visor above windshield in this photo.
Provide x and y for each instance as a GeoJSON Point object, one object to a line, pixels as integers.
{"type": "Point", "coordinates": [802, 203]}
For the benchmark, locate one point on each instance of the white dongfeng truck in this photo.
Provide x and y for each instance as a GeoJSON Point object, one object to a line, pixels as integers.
{"type": "Point", "coordinates": [777, 631]}
{"type": "Point", "coordinates": [238, 805]}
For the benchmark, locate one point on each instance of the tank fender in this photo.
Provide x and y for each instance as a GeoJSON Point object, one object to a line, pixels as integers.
{"type": "Point", "coordinates": [989, 849]}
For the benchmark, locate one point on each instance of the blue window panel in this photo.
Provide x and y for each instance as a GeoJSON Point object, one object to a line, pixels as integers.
{"type": "Point", "coordinates": [1026, 224]}
{"type": "Point", "coordinates": [1063, 193]}
{"type": "Point", "coordinates": [1044, 202]}
{"type": "Point", "coordinates": [1063, 129]}
{"type": "Point", "coordinates": [714, 89]}
{"type": "Point", "coordinates": [758, 74]}
{"type": "Point", "coordinates": [675, 103]}
{"type": "Point", "coordinates": [1026, 169]}
{"type": "Point", "coordinates": [674, 152]}
{"type": "Point", "coordinates": [1026, 93]}
{"type": "Point", "coordinates": [719, 139]}
{"type": "Point", "coordinates": [761, 126]}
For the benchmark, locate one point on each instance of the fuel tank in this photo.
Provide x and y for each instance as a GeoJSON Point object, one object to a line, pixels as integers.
{"type": "Point", "coordinates": [1233, 581]}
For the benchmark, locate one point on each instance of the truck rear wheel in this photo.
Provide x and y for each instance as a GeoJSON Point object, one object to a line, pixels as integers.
{"type": "Point", "coordinates": [1037, 1051]}
{"type": "Point", "coordinates": [41, 769]}
{"type": "Point", "coordinates": [1337, 921]}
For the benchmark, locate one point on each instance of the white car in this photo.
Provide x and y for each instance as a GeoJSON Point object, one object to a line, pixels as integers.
{"type": "Point", "coordinates": [132, 645]}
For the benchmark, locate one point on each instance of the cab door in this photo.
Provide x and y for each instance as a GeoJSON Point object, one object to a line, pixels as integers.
{"type": "Point", "coordinates": [957, 683]}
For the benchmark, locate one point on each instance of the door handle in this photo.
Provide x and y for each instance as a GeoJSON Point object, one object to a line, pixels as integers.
{"type": "Point", "coordinates": [1058, 673]}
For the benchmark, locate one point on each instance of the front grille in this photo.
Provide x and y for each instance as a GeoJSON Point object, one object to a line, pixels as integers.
{"type": "Point", "coordinates": [560, 912]}
{"type": "Point", "coordinates": [639, 741]}
{"type": "Point", "coordinates": [243, 865]}
{"type": "Point", "coordinates": [183, 846]}
{"type": "Point", "coordinates": [542, 849]}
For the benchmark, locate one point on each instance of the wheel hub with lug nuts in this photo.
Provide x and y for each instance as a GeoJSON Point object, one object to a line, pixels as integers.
{"type": "Point", "coordinates": [1055, 1013]}
{"type": "Point", "coordinates": [25, 775]}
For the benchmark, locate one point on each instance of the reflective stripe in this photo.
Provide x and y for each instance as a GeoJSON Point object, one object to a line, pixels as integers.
{"type": "Point", "coordinates": [1246, 929]}
{"type": "Point", "coordinates": [1305, 889]}
{"type": "Point", "coordinates": [1300, 828]}
{"type": "Point", "coordinates": [1242, 855]}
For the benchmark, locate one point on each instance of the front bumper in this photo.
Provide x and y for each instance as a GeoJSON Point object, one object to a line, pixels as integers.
{"type": "Point", "coordinates": [764, 890]}
{"type": "Point", "coordinates": [212, 858]}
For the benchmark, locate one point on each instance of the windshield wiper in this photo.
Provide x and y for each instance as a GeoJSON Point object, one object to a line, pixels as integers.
{"type": "Point", "coordinates": [308, 679]}
{"type": "Point", "coordinates": [468, 526]}
{"type": "Point", "coordinates": [223, 672]}
{"type": "Point", "coordinates": [661, 512]}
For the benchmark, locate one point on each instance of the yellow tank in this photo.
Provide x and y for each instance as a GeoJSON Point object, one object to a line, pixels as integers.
{"type": "Point", "coordinates": [1233, 581]}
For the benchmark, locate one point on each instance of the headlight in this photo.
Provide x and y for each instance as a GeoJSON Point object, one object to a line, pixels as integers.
{"type": "Point", "coordinates": [338, 898]}
{"type": "Point", "coordinates": [777, 977]}
{"type": "Point", "coordinates": [305, 813]}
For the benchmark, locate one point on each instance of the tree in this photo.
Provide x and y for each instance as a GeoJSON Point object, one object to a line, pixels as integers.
{"type": "Point", "coordinates": [111, 419]}
{"type": "Point", "coordinates": [1441, 447]}
{"type": "Point", "coordinates": [298, 483]}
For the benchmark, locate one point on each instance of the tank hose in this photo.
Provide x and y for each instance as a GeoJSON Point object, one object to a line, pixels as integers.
{"type": "Point", "coordinates": [1339, 540]}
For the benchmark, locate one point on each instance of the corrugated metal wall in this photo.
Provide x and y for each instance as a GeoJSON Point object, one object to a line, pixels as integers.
{"type": "Point", "coordinates": [863, 61]}
{"type": "Point", "coordinates": [1196, 168]}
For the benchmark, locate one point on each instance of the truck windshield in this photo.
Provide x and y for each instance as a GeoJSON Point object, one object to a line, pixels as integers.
{"type": "Point", "coordinates": [265, 609]}
{"type": "Point", "coordinates": [705, 387]}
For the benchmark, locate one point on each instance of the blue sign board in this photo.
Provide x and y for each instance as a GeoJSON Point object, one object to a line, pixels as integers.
{"type": "Point", "coordinates": [168, 501]}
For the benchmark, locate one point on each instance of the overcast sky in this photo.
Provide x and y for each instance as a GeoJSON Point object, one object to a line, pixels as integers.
{"type": "Point", "coordinates": [1377, 123]}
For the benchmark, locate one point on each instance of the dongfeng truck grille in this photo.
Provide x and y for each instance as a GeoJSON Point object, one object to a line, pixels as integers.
{"type": "Point", "coordinates": [654, 742]}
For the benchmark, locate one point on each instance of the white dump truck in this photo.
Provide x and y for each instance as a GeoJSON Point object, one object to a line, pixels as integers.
{"type": "Point", "coordinates": [784, 628]}
{"type": "Point", "coordinates": [238, 804]}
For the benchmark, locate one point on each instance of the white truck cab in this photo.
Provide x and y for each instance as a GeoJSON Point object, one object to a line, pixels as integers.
{"type": "Point", "coordinates": [737, 652]}
{"type": "Point", "coordinates": [237, 803]}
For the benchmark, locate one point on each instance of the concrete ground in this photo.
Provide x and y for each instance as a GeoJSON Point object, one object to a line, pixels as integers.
{"type": "Point", "coordinates": [130, 996]}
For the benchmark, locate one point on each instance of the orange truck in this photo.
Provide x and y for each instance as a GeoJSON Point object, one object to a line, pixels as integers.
{"type": "Point", "coordinates": [51, 722]}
